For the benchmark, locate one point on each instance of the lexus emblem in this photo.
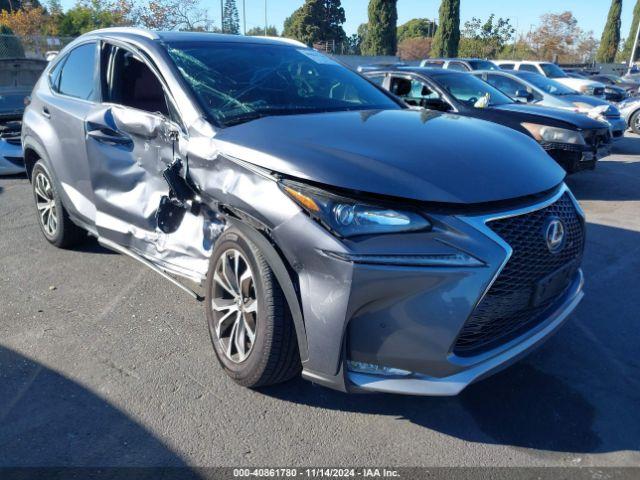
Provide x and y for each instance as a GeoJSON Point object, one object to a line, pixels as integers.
{"type": "Point", "coordinates": [554, 234]}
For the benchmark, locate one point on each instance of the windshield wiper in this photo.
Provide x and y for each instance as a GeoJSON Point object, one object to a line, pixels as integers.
{"type": "Point", "coordinates": [247, 117]}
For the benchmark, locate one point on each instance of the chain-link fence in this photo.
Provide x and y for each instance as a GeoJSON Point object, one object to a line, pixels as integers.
{"type": "Point", "coordinates": [37, 46]}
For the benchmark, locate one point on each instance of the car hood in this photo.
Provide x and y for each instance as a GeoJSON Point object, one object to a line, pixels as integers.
{"type": "Point", "coordinates": [419, 155]}
{"type": "Point", "coordinates": [586, 99]}
{"type": "Point", "coordinates": [576, 83]}
{"type": "Point", "coordinates": [576, 119]}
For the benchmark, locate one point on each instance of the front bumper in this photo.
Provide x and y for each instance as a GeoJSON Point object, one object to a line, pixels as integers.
{"type": "Point", "coordinates": [575, 158]}
{"type": "Point", "coordinates": [417, 384]}
{"type": "Point", "coordinates": [11, 158]}
{"type": "Point", "coordinates": [407, 317]}
{"type": "Point", "coordinates": [618, 126]}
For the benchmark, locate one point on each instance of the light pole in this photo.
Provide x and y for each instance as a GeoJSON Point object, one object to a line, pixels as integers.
{"type": "Point", "coordinates": [221, 17]}
{"type": "Point", "coordinates": [633, 50]}
{"type": "Point", "coordinates": [244, 17]}
{"type": "Point", "coordinates": [265, 18]}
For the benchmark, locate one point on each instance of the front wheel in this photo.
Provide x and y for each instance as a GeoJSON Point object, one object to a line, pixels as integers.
{"type": "Point", "coordinates": [53, 219]}
{"type": "Point", "coordinates": [634, 123]}
{"type": "Point", "coordinates": [249, 320]}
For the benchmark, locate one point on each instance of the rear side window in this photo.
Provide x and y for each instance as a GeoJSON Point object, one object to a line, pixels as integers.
{"type": "Point", "coordinates": [76, 77]}
{"type": "Point", "coordinates": [460, 67]}
{"type": "Point", "coordinates": [507, 85]}
{"type": "Point", "coordinates": [507, 66]}
{"type": "Point", "coordinates": [528, 68]}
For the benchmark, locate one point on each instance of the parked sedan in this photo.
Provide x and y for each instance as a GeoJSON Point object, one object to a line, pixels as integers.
{"type": "Point", "coordinates": [459, 64]}
{"type": "Point", "coordinates": [575, 141]}
{"type": "Point", "coordinates": [538, 90]}
{"type": "Point", "coordinates": [630, 86]}
{"type": "Point", "coordinates": [554, 72]}
{"type": "Point", "coordinates": [630, 111]}
{"type": "Point", "coordinates": [612, 93]}
{"type": "Point", "coordinates": [335, 231]}
{"type": "Point", "coordinates": [17, 78]}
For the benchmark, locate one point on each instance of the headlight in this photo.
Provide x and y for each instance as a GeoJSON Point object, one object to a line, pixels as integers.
{"type": "Point", "coordinates": [348, 217]}
{"type": "Point", "coordinates": [544, 133]}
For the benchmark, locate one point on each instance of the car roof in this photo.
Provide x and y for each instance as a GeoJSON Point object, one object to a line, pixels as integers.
{"type": "Point", "coordinates": [467, 59]}
{"type": "Point", "coordinates": [170, 36]}
{"type": "Point", "coordinates": [419, 70]}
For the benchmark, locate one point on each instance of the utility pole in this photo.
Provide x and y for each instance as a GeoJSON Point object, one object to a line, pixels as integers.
{"type": "Point", "coordinates": [633, 50]}
{"type": "Point", "coordinates": [221, 17]}
{"type": "Point", "coordinates": [244, 17]}
{"type": "Point", "coordinates": [265, 18]}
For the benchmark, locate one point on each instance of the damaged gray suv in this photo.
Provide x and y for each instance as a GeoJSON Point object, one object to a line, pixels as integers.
{"type": "Point", "coordinates": [332, 230]}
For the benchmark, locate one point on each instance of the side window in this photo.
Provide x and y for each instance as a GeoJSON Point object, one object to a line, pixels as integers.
{"type": "Point", "coordinates": [413, 91]}
{"type": "Point", "coordinates": [76, 75]}
{"type": "Point", "coordinates": [433, 63]}
{"type": "Point", "coordinates": [507, 85]}
{"type": "Point", "coordinates": [129, 82]}
{"type": "Point", "coordinates": [507, 66]}
{"type": "Point", "coordinates": [377, 79]}
{"type": "Point", "coordinates": [460, 67]}
{"type": "Point", "coordinates": [528, 68]}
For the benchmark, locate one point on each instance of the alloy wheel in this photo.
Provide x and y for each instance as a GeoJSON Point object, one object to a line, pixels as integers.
{"type": "Point", "coordinates": [235, 305]}
{"type": "Point", "coordinates": [46, 204]}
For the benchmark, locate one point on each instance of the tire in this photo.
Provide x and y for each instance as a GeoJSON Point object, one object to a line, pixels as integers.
{"type": "Point", "coordinates": [272, 355]}
{"type": "Point", "coordinates": [54, 221]}
{"type": "Point", "coordinates": [634, 123]}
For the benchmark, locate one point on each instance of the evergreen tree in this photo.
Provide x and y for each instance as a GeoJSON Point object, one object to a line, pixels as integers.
{"type": "Point", "coordinates": [417, 28]}
{"type": "Point", "coordinates": [628, 45]}
{"type": "Point", "coordinates": [230, 18]}
{"type": "Point", "coordinates": [316, 21]}
{"type": "Point", "coordinates": [381, 38]}
{"type": "Point", "coordinates": [611, 34]}
{"type": "Point", "coordinates": [447, 37]}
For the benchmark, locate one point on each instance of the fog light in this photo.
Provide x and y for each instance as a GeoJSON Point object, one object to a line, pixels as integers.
{"type": "Point", "coordinates": [372, 369]}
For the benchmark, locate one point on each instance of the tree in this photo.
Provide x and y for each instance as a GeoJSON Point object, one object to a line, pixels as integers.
{"type": "Point", "coordinates": [558, 36]}
{"type": "Point", "coordinates": [382, 34]}
{"type": "Point", "coordinates": [416, 28]}
{"type": "Point", "coordinates": [485, 39]}
{"type": "Point", "coordinates": [14, 5]}
{"type": "Point", "coordinates": [259, 31]}
{"type": "Point", "coordinates": [87, 15]}
{"type": "Point", "coordinates": [316, 21]}
{"type": "Point", "coordinates": [417, 48]}
{"type": "Point", "coordinates": [611, 35]}
{"type": "Point", "coordinates": [628, 45]}
{"type": "Point", "coordinates": [230, 18]}
{"type": "Point", "coordinates": [28, 21]}
{"type": "Point", "coordinates": [183, 15]}
{"type": "Point", "coordinates": [447, 38]}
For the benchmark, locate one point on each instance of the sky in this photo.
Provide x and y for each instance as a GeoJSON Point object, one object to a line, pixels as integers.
{"type": "Point", "coordinates": [591, 14]}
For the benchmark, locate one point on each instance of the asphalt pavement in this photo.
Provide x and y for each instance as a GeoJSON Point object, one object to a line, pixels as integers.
{"type": "Point", "coordinates": [103, 363]}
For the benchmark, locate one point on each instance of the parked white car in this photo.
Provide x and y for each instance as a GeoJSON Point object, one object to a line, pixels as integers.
{"type": "Point", "coordinates": [553, 71]}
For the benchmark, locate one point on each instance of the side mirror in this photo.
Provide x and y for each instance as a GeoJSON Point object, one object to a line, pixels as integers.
{"type": "Point", "coordinates": [524, 95]}
{"type": "Point", "coordinates": [137, 122]}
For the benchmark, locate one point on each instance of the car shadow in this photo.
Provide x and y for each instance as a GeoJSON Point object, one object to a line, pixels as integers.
{"type": "Point", "coordinates": [48, 420]}
{"type": "Point", "coordinates": [576, 394]}
{"type": "Point", "coordinates": [617, 180]}
{"type": "Point", "coordinates": [91, 245]}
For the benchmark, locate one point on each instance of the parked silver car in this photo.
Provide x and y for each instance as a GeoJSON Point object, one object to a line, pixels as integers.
{"type": "Point", "coordinates": [630, 111]}
{"type": "Point", "coordinates": [334, 230]}
{"type": "Point", "coordinates": [538, 90]}
{"type": "Point", "coordinates": [17, 78]}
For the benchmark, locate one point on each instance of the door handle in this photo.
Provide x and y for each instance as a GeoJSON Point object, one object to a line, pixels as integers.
{"type": "Point", "coordinates": [108, 136]}
{"type": "Point", "coordinates": [45, 112]}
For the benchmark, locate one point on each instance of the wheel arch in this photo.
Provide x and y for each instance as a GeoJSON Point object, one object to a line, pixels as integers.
{"type": "Point", "coordinates": [284, 277]}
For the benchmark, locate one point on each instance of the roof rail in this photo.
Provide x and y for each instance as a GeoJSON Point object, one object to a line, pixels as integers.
{"type": "Point", "coordinates": [290, 41]}
{"type": "Point", "coordinates": [131, 30]}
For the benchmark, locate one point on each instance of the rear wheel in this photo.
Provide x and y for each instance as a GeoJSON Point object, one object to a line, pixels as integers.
{"type": "Point", "coordinates": [634, 123]}
{"type": "Point", "coordinates": [249, 321]}
{"type": "Point", "coordinates": [53, 219]}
